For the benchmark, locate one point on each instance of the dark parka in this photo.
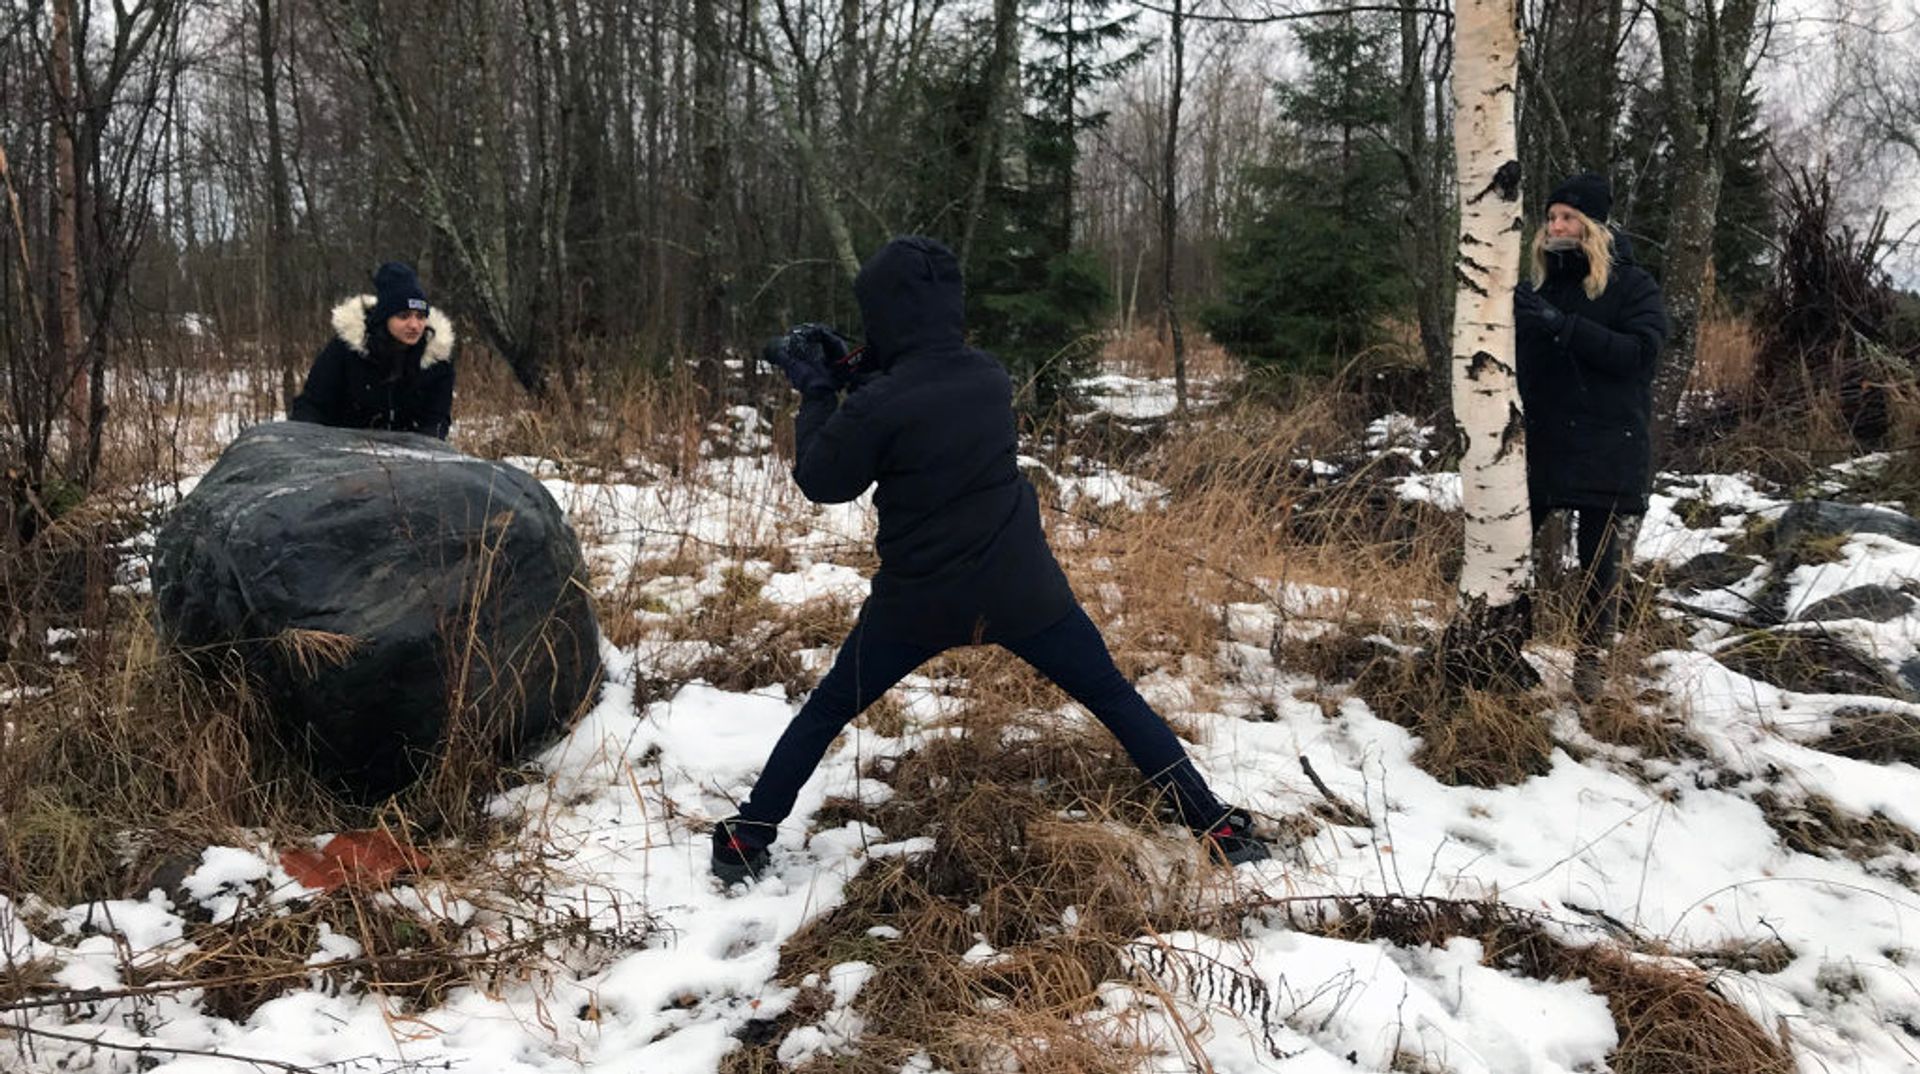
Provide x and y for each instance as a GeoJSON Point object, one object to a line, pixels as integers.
{"type": "Point", "coordinates": [363, 379]}
{"type": "Point", "coordinates": [962, 555]}
{"type": "Point", "coordinates": [1588, 388]}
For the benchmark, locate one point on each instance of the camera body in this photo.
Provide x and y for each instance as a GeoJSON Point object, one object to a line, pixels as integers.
{"type": "Point", "coordinates": [843, 361]}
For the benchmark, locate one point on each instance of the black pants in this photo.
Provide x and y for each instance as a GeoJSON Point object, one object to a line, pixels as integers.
{"type": "Point", "coordinates": [1596, 537]}
{"type": "Point", "coordinates": [1070, 653]}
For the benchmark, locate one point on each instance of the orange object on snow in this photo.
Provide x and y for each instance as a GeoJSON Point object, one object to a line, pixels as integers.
{"type": "Point", "coordinates": [366, 859]}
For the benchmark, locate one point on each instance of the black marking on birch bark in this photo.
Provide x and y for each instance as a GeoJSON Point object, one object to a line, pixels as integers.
{"type": "Point", "coordinates": [1468, 238]}
{"type": "Point", "coordinates": [1506, 179]}
{"type": "Point", "coordinates": [1467, 281]}
{"type": "Point", "coordinates": [1505, 183]}
{"type": "Point", "coordinates": [1482, 362]}
{"type": "Point", "coordinates": [1514, 435]}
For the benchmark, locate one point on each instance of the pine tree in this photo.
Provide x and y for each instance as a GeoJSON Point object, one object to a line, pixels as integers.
{"type": "Point", "coordinates": [1309, 275]}
{"type": "Point", "coordinates": [1036, 298]}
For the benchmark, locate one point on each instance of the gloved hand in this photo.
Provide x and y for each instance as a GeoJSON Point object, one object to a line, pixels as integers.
{"type": "Point", "coordinates": [1530, 309]}
{"type": "Point", "coordinates": [841, 358]}
{"type": "Point", "coordinates": [801, 363]}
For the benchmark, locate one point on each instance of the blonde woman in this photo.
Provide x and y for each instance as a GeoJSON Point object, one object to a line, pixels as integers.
{"type": "Point", "coordinates": [1590, 327]}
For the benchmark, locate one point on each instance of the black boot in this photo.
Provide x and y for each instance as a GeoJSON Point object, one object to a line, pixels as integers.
{"type": "Point", "coordinates": [740, 849]}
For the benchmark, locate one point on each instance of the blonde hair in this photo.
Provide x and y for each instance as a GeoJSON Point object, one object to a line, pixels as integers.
{"type": "Point", "coordinates": [1596, 241]}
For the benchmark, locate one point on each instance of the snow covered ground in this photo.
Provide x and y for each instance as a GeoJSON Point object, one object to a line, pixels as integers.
{"type": "Point", "coordinates": [1675, 851]}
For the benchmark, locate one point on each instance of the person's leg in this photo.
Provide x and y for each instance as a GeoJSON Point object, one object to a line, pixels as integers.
{"type": "Point", "coordinates": [1073, 655]}
{"type": "Point", "coordinates": [1597, 538]}
{"type": "Point", "coordinates": [865, 668]}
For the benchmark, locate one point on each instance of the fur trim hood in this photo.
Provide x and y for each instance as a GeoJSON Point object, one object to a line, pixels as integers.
{"type": "Point", "coordinates": [350, 324]}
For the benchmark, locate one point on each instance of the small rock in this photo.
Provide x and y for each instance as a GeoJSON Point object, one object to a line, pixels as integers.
{"type": "Point", "coordinates": [1875, 603]}
{"type": "Point", "coordinates": [1710, 570]}
{"type": "Point", "coordinates": [1826, 518]}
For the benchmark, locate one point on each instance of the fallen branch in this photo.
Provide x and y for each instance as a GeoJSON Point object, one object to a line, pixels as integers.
{"type": "Point", "coordinates": [1342, 811]}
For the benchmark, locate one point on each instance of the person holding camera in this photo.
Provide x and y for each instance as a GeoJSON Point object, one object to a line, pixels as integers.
{"type": "Point", "coordinates": [928, 421]}
{"type": "Point", "coordinates": [1589, 330]}
{"type": "Point", "coordinates": [389, 364]}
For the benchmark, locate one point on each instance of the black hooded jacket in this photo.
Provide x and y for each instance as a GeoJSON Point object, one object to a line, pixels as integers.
{"type": "Point", "coordinates": [1588, 388]}
{"type": "Point", "coordinates": [363, 379]}
{"type": "Point", "coordinates": [962, 555]}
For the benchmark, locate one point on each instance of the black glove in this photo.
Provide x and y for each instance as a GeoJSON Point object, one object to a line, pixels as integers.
{"type": "Point", "coordinates": [1530, 309]}
{"type": "Point", "coordinates": [802, 365]}
{"type": "Point", "coordinates": [841, 358]}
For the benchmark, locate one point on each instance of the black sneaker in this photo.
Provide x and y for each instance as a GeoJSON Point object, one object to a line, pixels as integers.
{"type": "Point", "coordinates": [740, 849]}
{"type": "Point", "coordinates": [1231, 840]}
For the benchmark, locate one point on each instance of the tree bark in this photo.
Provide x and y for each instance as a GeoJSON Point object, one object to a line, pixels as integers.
{"type": "Point", "coordinates": [1427, 226]}
{"type": "Point", "coordinates": [1482, 645]}
{"type": "Point", "coordinates": [279, 204]}
{"type": "Point", "coordinates": [68, 372]}
{"type": "Point", "coordinates": [1001, 65]}
{"type": "Point", "coordinates": [1169, 197]}
{"type": "Point", "coordinates": [1703, 74]}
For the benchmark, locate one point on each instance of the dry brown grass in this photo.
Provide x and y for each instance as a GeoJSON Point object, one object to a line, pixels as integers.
{"type": "Point", "coordinates": [1057, 899]}
{"type": "Point", "coordinates": [1670, 1017]}
{"type": "Point", "coordinates": [1146, 352]}
{"type": "Point", "coordinates": [1725, 358]}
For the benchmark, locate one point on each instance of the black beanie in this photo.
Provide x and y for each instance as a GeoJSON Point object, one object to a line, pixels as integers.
{"type": "Point", "coordinates": [396, 289]}
{"type": "Point", "coordinates": [1587, 192]}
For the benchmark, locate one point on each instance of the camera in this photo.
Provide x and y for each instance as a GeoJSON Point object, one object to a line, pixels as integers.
{"type": "Point", "coordinates": [842, 359]}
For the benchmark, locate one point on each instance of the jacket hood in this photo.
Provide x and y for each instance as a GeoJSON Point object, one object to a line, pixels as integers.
{"type": "Point", "coordinates": [350, 324]}
{"type": "Point", "coordinates": [911, 299]}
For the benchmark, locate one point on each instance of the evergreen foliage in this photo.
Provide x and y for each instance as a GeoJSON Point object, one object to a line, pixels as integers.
{"type": "Point", "coordinates": [1036, 300]}
{"type": "Point", "coordinates": [1311, 272]}
{"type": "Point", "coordinates": [1747, 222]}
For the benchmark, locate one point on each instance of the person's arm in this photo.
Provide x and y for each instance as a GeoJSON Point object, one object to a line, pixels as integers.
{"type": "Point", "coordinates": [436, 409]}
{"type": "Point", "coordinates": [837, 444]}
{"type": "Point", "coordinates": [1629, 348]}
{"type": "Point", "coordinates": [319, 401]}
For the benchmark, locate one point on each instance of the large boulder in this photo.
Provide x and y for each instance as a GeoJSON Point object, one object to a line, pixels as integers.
{"type": "Point", "coordinates": [382, 589]}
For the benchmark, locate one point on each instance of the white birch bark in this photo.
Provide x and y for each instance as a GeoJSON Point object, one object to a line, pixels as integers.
{"type": "Point", "coordinates": [1496, 570]}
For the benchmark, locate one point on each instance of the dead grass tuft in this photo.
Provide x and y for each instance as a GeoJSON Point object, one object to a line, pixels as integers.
{"type": "Point", "coordinates": [311, 651]}
{"type": "Point", "coordinates": [1670, 1017]}
{"type": "Point", "coordinates": [1880, 736]}
{"type": "Point", "coordinates": [1817, 825]}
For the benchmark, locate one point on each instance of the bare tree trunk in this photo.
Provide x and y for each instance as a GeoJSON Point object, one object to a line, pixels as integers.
{"type": "Point", "coordinates": [279, 204]}
{"type": "Point", "coordinates": [1703, 60]}
{"type": "Point", "coordinates": [711, 163]}
{"type": "Point", "coordinates": [812, 170]}
{"type": "Point", "coordinates": [1002, 65]}
{"type": "Point", "coordinates": [1482, 644]}
{"type": "Point", "coordinates": [1428, 226]}
{"type": "Point", "coordinates": [68, 370]}
{"type": "Point", "coordinates": [1169, 197]}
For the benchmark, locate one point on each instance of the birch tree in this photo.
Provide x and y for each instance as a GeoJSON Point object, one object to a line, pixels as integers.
{"type": "Point", "coordinates": [1482, 645]}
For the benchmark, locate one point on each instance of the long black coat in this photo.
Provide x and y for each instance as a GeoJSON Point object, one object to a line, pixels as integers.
{"type": "Point", "coordinates": [355, 384]}
{"type": "Point", "coordinates": [1588, 389]}
{"type": "Point", "coordinates": [962, 555]}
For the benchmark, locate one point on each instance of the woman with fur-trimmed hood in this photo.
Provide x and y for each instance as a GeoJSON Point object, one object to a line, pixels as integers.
{"type": "Point", "coordinates": [1588, 332]}
{"type": "Point", "coordinates": [389, 364]}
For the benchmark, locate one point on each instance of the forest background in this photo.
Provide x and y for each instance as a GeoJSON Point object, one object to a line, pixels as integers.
{"type": "Point", "coordinates": [601, 189]}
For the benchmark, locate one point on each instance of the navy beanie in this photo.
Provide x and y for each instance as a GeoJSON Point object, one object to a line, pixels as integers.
{"type": "Point", "coordinates": [396, 289]}
{"type": "Point", "coordinates": [1587, 192]}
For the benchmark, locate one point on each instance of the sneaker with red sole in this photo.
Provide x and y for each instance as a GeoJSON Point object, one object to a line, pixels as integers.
{"type": "Point", "coordinates": [1231, 839]}
{"type": "Point", "coordinates": [740, 849]}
